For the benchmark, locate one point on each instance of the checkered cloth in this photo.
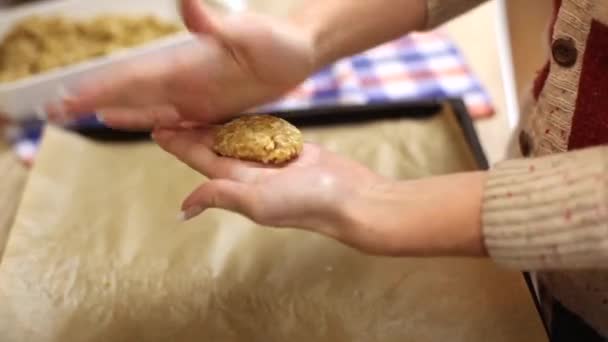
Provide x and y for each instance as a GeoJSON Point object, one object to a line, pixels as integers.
{"type": "Point", "coordinates": [419, 66]}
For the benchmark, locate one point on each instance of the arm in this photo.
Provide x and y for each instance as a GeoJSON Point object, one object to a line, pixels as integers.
{"type": "Point", "coordinates": [341, 28]}
{"type": "Point", "coordinates": [539, 213]}
{"type": "Point", "coordinates": [528, 214]}
{"type": "Point", "coordinates": [337, 197]}
{"type": "Point", "coordinates": [435, 216]}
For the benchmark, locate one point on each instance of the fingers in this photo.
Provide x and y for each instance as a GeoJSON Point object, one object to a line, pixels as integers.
{"type": "Point", "coordinates": [196, 17]}
{"type": "Point", "coordinates": [193, 147]}
{"type": "Point", "coordinates": [133, 85]}
{"type": "Point", "coordinates": [139, 118]}
{"type": "Point", "coordinates": [222, 194]}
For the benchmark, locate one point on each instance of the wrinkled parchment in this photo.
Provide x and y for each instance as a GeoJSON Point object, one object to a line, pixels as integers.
{"type": "Point", "coordinates": [96, 254]}
{"type": "Point", "coordinates": [13, 175]}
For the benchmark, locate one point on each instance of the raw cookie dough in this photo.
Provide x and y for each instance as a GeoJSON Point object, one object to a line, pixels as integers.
{"type": "Point", "coordinates": [261, 138]}
{"type": "Point", "coordinates": [37, 44]}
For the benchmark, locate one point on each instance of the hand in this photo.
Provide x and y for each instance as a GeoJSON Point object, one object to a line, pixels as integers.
{"type": "Point", "coordinates": [325, 193]}
{"type": "Point", "coordinates": [240, 61]}
{"type": "Point", "coordinates": [312, 192]}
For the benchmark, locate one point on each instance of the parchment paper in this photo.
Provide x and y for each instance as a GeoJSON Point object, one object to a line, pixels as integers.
{"type": "Point", "coordinates": [12, 180]}
{"type": "Point", "coordinates": [96, 254]}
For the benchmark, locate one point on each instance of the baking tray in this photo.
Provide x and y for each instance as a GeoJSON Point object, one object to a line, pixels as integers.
{"type": "Point", "coordinates": [325, 115]}
{"type": "Point", "coordinates": [348, 114]}
{"type": "Point", "coordinates": [74, 199]}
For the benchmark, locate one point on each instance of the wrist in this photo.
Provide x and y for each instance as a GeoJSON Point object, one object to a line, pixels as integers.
{"type": "Point", "coordinates": [436, 216]}
{"type": "Point", "coordinates": [339, 29]}
{"type": "Point", "coordinates": [311, 28]}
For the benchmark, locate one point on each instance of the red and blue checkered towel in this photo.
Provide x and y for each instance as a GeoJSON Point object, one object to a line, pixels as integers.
{"type": "Point", "coordinates": [419, 66]}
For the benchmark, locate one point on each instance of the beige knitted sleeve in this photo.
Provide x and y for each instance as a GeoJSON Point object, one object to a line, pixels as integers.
{"type": "Point", "coordinates": [549, 212]}
{"type": "Point", "coordinates": [440, 11]}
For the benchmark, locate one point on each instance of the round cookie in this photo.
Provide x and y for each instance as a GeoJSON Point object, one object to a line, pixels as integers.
{"type": "Point", "coordinates": [260, 138]}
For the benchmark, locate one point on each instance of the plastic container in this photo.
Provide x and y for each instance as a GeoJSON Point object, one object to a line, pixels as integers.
{"type": "Point", "coordinates": [19, 100]}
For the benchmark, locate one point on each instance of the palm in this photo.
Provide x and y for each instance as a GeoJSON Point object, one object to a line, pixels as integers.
{"type": "Point", "coordinates": [309, 187]}
{"type": "Point", "coordinates": [303, 193]}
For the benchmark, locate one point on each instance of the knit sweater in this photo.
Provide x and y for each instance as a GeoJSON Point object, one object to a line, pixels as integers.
{"type": "Point", "coordinates": [546, 209]}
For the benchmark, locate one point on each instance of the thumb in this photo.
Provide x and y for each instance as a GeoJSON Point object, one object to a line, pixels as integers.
{"type": "Point", "coordinates": [200, 19]}
{"type": "Point", "coordinates": [222, 194]}
{"type": "Point", "coordinates": [196, 17]}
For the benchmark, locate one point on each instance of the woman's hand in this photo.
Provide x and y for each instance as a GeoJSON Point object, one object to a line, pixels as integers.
{"type": "Point", "coordinates": [325, 193]}
{"type": "Point", "coordinates": [311, 192]}
{"type": "Point", "coordinates": [241, 61]}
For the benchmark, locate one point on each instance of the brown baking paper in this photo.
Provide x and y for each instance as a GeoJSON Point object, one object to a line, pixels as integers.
{"type": "Point", "coordinates": [96, 254]}
{"type": "Point", "coordinates": [12, 180]}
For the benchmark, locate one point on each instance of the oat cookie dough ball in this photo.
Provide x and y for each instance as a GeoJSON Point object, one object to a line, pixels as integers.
{"type": "Point", "coordinates": [260, 138]}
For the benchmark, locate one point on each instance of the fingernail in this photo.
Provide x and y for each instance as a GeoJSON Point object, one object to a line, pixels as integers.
{"type": "Point", "coordinates": [57, 114]}
{"type": "Point", "coordinates": [40, 113]}
{"type": "Point", "coordinates": [189, 213]}
{"type": "Point", "coordinates": [62, 116]}
{"type": "Point", "coordinates": [53, 116]}
{"type": "Point", "coordinates": [99, 117]}
{"type": "Point", "coordinates": [64, 93]}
